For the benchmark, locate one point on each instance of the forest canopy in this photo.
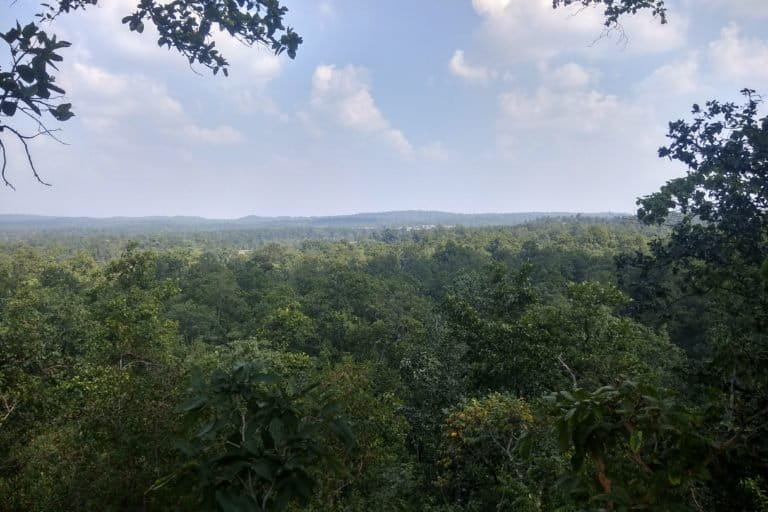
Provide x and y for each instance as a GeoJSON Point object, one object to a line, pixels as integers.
{"type": "Point", "coordinates": [374, 362]}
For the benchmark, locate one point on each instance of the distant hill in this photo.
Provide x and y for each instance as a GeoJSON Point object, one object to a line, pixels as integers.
{"type": "Point", "coordinates": [375, 220]}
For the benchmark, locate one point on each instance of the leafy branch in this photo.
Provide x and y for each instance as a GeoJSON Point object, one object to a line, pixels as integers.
{"type": "Point", "coordinates": [616, 9]}
{"type": "Point", "coordinates": [27, 86]}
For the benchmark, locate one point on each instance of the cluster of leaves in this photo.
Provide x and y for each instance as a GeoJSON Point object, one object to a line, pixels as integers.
{"type": "Point", "coordinates": [616, 9]}
{"type": "Point", "coordinates": [186, 25]}
{"type": "Point", "coordinates": [725, 149]}
{"type": "Point", "coordinates": [482, 438]}
{"type": "Point", "coordinates": [28, 87]}
{"type": "Point", "coordinates": [252, 443]}
{"type": "Point", "coordinates": [711, 268]}
{"type": "Point", "coordinates": [631, 447]}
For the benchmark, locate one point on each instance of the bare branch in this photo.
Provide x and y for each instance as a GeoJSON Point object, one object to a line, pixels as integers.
{"type": "Point", "coordinates": [9, 408]}
{"type": "Point", "coordinates": [23, 139]}
{"type": "Point", "coordinates": [5, 163]}
{"type": "Point", "coordinates": [568, 369]}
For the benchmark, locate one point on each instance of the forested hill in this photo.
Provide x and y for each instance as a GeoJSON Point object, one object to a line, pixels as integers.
{"type": "Point", "coordinates": [375, 220]}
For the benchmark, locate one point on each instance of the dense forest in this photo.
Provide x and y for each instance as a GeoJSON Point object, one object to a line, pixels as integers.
{"type": "Point", "coordinates": [559, 364]}
{"type": "Point", "coordinates": [414, 361]}
{"type": "Point", "coordinates": [425, 346]}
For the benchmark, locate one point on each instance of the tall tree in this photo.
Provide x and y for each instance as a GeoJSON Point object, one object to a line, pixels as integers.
{"type": "Point", "coordinates": [716, 255]}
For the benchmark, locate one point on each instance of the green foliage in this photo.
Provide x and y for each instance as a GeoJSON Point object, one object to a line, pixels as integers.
{"type": "Point", "coordinates": [469, 326]}
{"type": "Point", "coordinates": [706, 277]}
{"type": "Point", "coordinates": [186, 26]}
{"type": "Point", "coordinates": [378, 471]}
{"type": "Point", "coordinates": [87, 378]}
{"type": "Point", "coordinates": [632, 447]}
{"type": "Point", "coordinates": [252, 444]}
{"type": "Point", "coordinates": [756, 488]}
{"type": "Point", "coordinates": [481, 465]}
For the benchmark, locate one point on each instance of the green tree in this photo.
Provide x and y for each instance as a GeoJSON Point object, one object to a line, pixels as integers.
{"type": "Point", "coordinates": [632, 446]}
{"type": "Point", "coordinates": [716, 254]}
{"type": "Point", "coordinates": [481, 466]}
{"type": "Point", "coordinates": [252, 443]}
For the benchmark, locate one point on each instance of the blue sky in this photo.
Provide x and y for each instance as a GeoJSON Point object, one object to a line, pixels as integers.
{"type": "Point", "coordinates": [457, 105]}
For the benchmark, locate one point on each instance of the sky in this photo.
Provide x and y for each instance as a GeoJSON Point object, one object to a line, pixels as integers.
{"type": "Point", "coordinates": [454, 105]}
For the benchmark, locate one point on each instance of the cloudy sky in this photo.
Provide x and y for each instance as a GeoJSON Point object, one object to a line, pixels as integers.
{"type": "Point", "coordinates": [457, 105]}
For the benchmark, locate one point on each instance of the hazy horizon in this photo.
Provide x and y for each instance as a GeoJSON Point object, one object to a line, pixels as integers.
{"type": "Point", "coordinates": [347, 214]}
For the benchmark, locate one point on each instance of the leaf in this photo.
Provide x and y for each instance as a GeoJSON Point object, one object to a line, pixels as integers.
{"type": "Point", "coordinates": [265, 468]}
{"type": "Point", "coordinates": [62, 112]}
{"type": "Point", "coordinates": [8, 108]}
{"type": "Point", "coordinates": [193, 403]}
{"type": "Point", "coordinates": [184, 447]}
{"type": "Point", "coordinates": [206, 429]}
{"type": "Point", "coordinates": [229, 501]}
{"type": "Point", "coordinates": [330, 410]}
{"type": "Point", "coordinates": [29, 91]}
{"type": "Point", "coordinates": [29, 30]}
{"type": "Point", "coordinates": [277, 430]}
{"type": "Point", "coordinates": [266, 378]}
{"type": "Point", "coordinates": [161, 482]}
{"type": "Point", "coordinates": [26, 73]}
{"type": "Point", "coordinates": [344, 433]}
{"type": "Point", "coordinates": [564, 436]}
{"type": "Point", "coordinates": [674, 479]}
{"type": "Point", "coordinates": [303, 485]}
{"type": "Point", "coordinates": [196, 378]}
{"type": "Point", "coordinates": [11, 35]}
{"type": "Point", "coordinates": [252, 446]}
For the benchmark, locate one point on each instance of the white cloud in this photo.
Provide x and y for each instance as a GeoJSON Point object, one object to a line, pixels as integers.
{"type": "Point", "coordinates": [255, 65]}
{"type": "Point", "coordinates": [251, 71]}
{"type": "Point", "coordinates": [327, 9]}
{"type": "Point", "coordinates": [738, 57]}
{"type": "Point", "coordinates": [673, 79]}
{"type": "Point", "coordinates": [575, 120]}
{"type": "Point", "coordinates": [570, 76]}
{"type": "Point", "coordinates": [490, 7]}
{"type": "Point", "coordinates": [221, 135]}
{"type": "Point", "coordinates": [102, 26]}
{"type": "Point", "coordinates": [461, 68]}
{"type": "Point", "coordinates": [251, 68]}
{"type": "Point", "coordinates": [575, 112]}
{"type": "Point", "coordinates": [579, 143]}
{"type": "Point", "coordinates": [343, 96]}
{"type": "Point", "coordinates": [122, 106]}
{"type": "Point", "coordinates": [749, 8]}
{"type": "Point", "coordinates": [435, 151]}
{"type": "Point", "coordinates": [518, 30]}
